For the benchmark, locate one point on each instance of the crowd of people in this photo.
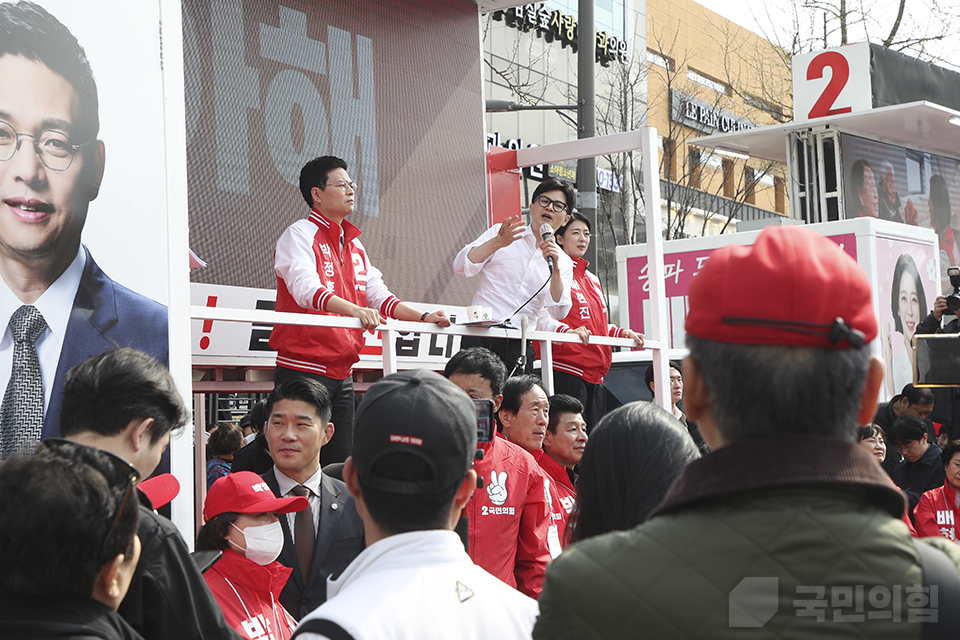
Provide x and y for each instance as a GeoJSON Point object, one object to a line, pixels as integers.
{"type": "Point", "coordinates": [765, 497]}
{"type": "Point", "coordinates": [559, 530]}
{"type": "Point", "coordinates": [773, 494]}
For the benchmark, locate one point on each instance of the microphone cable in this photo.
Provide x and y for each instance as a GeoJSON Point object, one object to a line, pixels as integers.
{"type": "Point", "coordinates": [530, 299]}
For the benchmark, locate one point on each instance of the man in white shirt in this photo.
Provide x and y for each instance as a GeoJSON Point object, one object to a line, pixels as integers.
{"type": "Point", "coordinates": [411, 476]}
{"type": "Point", "coordinates": [57, 308]}
{"type": "Point", "coordinates": [516, 281]}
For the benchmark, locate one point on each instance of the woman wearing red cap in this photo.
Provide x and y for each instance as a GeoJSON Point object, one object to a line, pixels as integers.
{"type": "Point", "coordinates": [578, 369]}
{"type": "Point", "coordinates": [241, 520]}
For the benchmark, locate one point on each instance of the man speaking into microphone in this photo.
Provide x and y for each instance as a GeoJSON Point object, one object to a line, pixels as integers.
{"type": "Point", "coordinates": [516, 281]}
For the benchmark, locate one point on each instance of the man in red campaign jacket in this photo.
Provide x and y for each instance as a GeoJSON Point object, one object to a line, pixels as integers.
{"type": "Point", "coordinates": [323, 269]}
{"type": "Point", "coordinates": [509, 518]}
{"type": "Point", "coordinates": [563, 446]}
{"type": "Point", "coordinates": [937, 512]}
{"type": "Point", "coordinates": [524, 416]}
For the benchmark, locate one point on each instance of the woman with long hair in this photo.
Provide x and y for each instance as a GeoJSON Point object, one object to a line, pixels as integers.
{"type": "Point", "coordinates": [908, 304]}
{"type": "Point", "coordinates": [634, 455]}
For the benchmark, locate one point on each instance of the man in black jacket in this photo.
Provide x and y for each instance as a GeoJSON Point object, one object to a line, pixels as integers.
{"type": "Point", "coordinates": [921, 468]}
{"type": "Point", "coordinates": [255, 456]}
{"type": "Point", "coordinates": [126, 403]}
{"type": "Point", "coordinates": [68, 546]}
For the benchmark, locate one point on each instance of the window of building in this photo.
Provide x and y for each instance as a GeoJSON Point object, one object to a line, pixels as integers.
{"type": "Point", "coordinates": [668, 160]}
{"type": "Point", "coordinates": [694, 168]}
{"type": "Point", "coordinates": [749, 185]}
{"type": "Point", "coordinates": [763, 105]}
{"type": "Point", "coordinates": [779, 195]}
{"type": "Point", "coordinates": [729, 185]}
{"type": "Point", "coordinates": [659, 60]}
{"type": "Point", "coordinates": [710, 83]}
{"type": "Point", "coordinates": [711, 160]}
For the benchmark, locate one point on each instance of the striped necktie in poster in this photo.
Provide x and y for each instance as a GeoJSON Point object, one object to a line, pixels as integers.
{"type": "Point", "coordinates": [21, 415]}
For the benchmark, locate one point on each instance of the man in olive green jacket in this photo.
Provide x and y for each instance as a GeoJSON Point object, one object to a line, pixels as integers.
{"type": "Point", "coordinates": [787, 529]}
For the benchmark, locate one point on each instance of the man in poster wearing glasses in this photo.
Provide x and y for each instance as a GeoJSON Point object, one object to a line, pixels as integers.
{"type": "Point", "coordinates": [58, 307]}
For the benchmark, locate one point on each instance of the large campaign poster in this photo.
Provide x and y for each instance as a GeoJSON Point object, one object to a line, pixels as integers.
{"type": "Point", "coordinates": [906, 287]}
{"type": "Point", "coordinates": [905, 185]}
{"type": "Point", "coordinates": [83, 183]}
{"type": "Point", "coordinates": [392, 87]}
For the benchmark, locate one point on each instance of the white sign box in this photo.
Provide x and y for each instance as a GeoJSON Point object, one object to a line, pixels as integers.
{"type": "Point", "coordinates": [832, 82]}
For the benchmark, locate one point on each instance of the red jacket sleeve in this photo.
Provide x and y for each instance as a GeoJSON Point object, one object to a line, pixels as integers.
{"type": "Point", "coordinates": [532, 551]}
{"type": "Point", "coordinates": [925, 514]}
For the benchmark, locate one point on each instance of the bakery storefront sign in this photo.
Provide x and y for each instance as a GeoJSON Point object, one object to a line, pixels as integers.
{"type": "Point", "coordinates": [704, 116]}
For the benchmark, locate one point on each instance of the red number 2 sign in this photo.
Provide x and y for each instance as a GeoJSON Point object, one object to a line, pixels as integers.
{"type": "Point", "coordinates": [840, 73]}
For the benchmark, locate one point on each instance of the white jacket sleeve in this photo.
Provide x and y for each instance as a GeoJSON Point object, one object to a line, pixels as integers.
{"type": "Point", "coordinates": [295, 263]}
{"type": "Point", "coordinates": [379, 296]}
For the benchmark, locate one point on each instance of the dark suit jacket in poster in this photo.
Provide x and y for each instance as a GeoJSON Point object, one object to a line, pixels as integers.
{"type": "Point", "coordinates": [339, 541]}
{"type": "Point", "coordinates": [105, 315]}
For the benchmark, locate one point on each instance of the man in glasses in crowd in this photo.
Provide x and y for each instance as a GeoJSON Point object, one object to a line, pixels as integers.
{"type": "Point", "coordinates": [323, 269]}
{"type": "Point", "coordinates": [124, 402]}
{"type": "Point", "coordinates": [520, 272]}
{"type": "Point", "coordinates": [57, 306]}
{"type": "Point", "coordinates": [66, 580]}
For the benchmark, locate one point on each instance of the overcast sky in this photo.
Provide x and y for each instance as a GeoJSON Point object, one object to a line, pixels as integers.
{"type": "Point", "coordinates": [753, 15]}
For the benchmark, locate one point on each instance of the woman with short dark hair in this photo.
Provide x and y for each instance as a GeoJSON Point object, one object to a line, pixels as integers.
{"type": "Point", "coordinates": [224, 441]}
{"type": "Point", "coordinates": [872, 438]}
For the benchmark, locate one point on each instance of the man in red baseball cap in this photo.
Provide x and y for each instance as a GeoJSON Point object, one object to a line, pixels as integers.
{"type": "Point", "coordinates": [786, 525]}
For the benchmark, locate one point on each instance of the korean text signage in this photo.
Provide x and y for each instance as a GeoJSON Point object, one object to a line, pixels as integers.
{"type": "Point", "coordinates": [494, 139]}
{"type": "Point", "coordinates": [218, 339]}
{"type": "Point", "coordinates": [679, 269]}
{"type": "Point", "coordinates": [271, 85]}
{"type": "Point", "coordinates": [704, 116]}
{"type": "Point", "coordinates": [832, 82]}
{"type": "Point", "coordinates": [554, 25]}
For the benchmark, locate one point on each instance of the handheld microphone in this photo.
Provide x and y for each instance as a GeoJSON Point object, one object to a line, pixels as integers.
{"type": "Point", "coordinates": [545, 232]}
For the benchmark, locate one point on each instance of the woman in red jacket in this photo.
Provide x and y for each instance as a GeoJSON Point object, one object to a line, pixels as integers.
{"type": "Point", "coordinates": [241, 519]}
{"type": "Point", "coordinates": [578, 369]}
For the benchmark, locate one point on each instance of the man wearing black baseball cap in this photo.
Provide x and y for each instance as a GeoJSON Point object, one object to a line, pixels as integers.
{"type": "Point", "coordinates": [787, 516]}
{"type": "Point", "coordinates": [411, 474]}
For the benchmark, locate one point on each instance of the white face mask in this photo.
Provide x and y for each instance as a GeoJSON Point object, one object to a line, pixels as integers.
{"type": "Point", "coordinates": [264, 542]}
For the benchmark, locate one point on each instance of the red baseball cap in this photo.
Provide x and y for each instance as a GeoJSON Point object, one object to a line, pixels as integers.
{"type": "Point", "coordinates": [793, 287]}
{"type": "Point", "coordinates": [246, 492]}
{"type": "Point", "coordinates": [161, 489]}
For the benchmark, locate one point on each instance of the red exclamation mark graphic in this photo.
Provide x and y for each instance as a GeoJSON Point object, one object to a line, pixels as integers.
{"type": "Point", "coordinates": [208, 324]}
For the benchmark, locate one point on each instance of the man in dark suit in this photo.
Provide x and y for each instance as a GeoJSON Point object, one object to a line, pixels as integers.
{"type": "Point", "coordinates": [322, 540]}
{"type": "Point", "coordinates": [57, 308]}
